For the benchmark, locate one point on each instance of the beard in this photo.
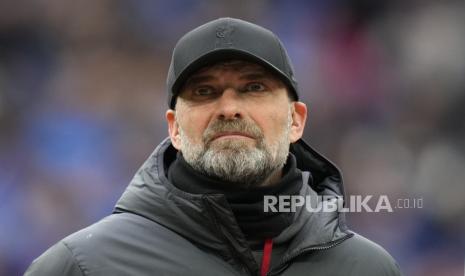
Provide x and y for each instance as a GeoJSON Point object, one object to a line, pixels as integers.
{"type": "Point", "coordinates": [236, 160]}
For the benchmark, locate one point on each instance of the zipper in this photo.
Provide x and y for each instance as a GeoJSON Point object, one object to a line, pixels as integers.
{"type": "Point", "coordinates": [282, 266]}
{"type": "Point", "coordinates": [266, 258]}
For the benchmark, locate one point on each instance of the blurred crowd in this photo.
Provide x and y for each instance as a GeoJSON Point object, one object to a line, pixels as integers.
{"type": "Point", "coordinates": [82, 103]}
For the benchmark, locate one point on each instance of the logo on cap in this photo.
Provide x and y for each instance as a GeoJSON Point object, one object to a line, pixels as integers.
{"type": "Point", "coordinates": [224, 36]}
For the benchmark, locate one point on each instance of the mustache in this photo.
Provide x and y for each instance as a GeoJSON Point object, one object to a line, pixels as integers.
{"type": "Point", "coordinates": [246, 127]}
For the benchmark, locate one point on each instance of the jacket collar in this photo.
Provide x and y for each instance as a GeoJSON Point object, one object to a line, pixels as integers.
{"type": "Point", "coordinates": [207, 220]}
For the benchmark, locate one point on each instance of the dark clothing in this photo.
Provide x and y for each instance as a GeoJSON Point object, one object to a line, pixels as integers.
{"type": "Point", "coordinates": [245, 204]}
{"type": "Point", "coordinates": [159, 229]}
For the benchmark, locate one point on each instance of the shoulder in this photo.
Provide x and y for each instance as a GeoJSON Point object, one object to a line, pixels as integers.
{"type": "Point", "coordinates": [365, 257]}
{"type": "Point", "coordinates": [363, 247]}
{"type": "Point", "coordinates": [57, 260]}
{"type": "Point", "coordinates": [120, 231]}
{"type": "Point", "coordinates": [78, 253]}
{"type": "Point", "coordinates": [355, 256]}
{"type": "Point", "coordinates": [101, 248]}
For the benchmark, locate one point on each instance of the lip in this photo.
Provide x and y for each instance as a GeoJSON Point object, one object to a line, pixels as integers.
{"type": "Point", "coordinates": [234, 135]}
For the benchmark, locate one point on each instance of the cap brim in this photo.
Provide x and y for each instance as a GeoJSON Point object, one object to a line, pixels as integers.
{"type": "Point", "coordinates": [224, 55]}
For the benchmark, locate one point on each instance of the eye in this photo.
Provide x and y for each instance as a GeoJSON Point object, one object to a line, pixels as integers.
{"type": "Point", "coordinates": [204, 91]}
{"type": "Point", "coordinates": [255, 87]}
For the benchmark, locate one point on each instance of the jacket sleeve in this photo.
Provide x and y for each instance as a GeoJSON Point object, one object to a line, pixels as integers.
{"type": "Point", "coordinates": [58, 260]}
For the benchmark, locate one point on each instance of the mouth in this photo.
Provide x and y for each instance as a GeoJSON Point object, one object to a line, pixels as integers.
{"type": "Point", "coordinates": [232, 135]}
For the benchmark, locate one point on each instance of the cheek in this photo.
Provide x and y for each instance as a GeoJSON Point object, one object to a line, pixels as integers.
{"type": "Point", "coordinates": [274, 125]}
{"type": "Point", "coordinates": [193, 127]}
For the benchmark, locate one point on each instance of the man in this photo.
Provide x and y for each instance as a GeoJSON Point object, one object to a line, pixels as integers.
{"type": "Point", "coordinates": [196, 207]}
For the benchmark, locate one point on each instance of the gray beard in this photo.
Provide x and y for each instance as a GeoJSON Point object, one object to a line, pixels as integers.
{"type": "Point", "coordinates": [236, 161]}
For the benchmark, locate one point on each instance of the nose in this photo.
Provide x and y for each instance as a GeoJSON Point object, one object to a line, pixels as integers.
{"type": "Point", "coordinates": [229, 105]}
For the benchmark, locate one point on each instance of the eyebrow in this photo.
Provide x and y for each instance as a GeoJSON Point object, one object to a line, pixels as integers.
{"type": "Point", "coordinates": [199, 79]}
{"type": "Point", "coordinates": [253, 75]}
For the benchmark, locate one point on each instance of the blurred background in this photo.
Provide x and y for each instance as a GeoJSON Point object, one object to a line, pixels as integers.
{"type": "Point", "coordinates": [82, 102]}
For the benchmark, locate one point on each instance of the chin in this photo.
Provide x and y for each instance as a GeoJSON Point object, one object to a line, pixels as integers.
{"type": "Point", "coordinates": [232, 144]}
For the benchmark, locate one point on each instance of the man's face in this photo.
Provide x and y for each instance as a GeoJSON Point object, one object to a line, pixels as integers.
{"type": "Point", "coordinates": [234, 121]}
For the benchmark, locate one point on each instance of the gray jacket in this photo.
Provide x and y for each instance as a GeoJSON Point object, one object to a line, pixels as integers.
{"type": "Point", "coordinates": [157, 229]}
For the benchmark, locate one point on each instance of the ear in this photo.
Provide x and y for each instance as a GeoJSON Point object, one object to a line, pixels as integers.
{"type": "Point", "coordinates": [299, 117]}
{"type": "Point", "coordinates": [173, 128]}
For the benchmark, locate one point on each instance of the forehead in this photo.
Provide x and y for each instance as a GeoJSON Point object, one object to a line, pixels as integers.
{"type": "Point", "coordinates": [238, 66]}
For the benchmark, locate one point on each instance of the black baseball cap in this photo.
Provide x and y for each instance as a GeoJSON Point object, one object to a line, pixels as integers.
{"type": "Point", "coordinates": [226, 39]}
